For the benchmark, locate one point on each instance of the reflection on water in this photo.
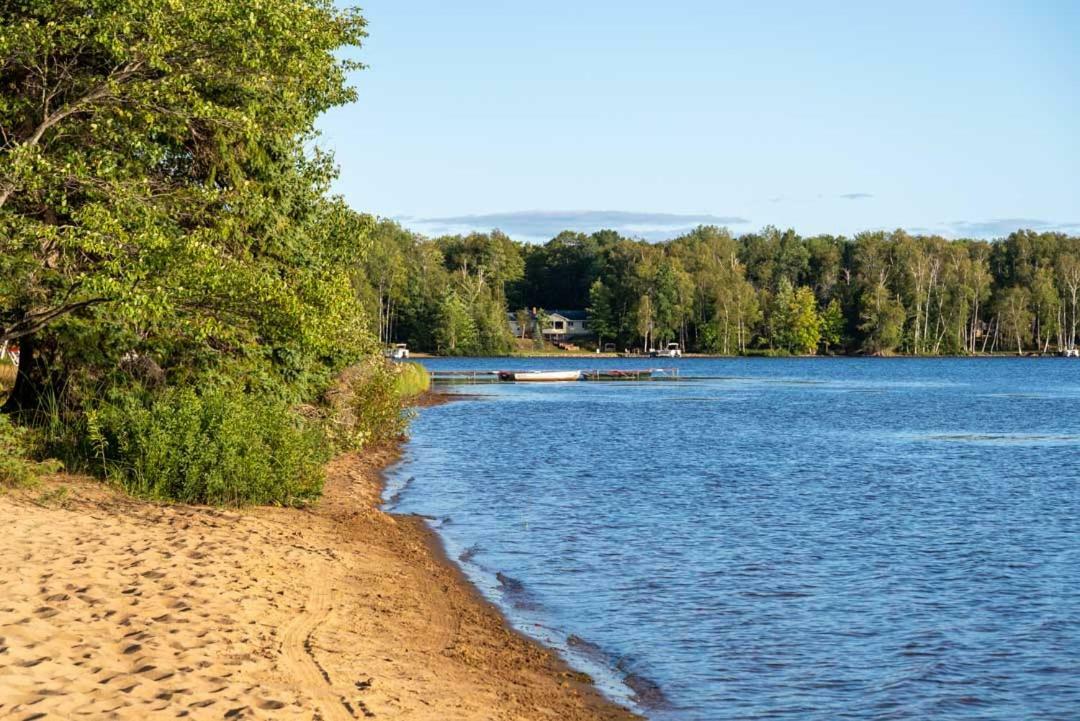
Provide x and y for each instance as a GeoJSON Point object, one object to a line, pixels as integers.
{"type": "Point", "coordinates": [804, 539]}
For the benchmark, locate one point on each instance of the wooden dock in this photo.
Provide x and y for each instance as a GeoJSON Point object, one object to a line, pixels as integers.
{"type": "Point", "coordinates": [597, 374]}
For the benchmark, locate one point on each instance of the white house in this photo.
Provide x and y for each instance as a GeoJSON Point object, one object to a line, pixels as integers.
{"type": "Point", "coordinates": [561, 325]}
{"type": "Point", "coordinates": [566, 324]}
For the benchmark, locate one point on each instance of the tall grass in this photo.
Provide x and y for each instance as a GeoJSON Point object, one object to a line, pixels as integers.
{"type": "Point", "coordinates": [412, 380]}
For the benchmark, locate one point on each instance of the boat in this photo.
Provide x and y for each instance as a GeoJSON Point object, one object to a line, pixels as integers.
{"type": "Point", "coordinates": [1071, 352]}
{"type": "Point", "coordinates": [673, 350]}
{"type": "Point", "coordinates": [398, 351]}
{"type": "Point", "coordinates": [538, 376]}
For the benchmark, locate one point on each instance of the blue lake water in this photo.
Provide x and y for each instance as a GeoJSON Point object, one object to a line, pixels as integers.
{"type": "Point", "coordinates": [794, 539]}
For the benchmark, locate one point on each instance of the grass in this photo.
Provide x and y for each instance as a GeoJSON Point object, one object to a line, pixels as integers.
{"type": "Point", "coordinates": [412, 380]}
{"type": "Point", "coordinates": [18, 469]}
{"type": "Point", "coordinates": [58, 497]}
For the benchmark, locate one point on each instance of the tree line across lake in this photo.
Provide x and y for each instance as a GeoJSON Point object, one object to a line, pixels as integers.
{"type": "Point", "coordinates": [772, 291]}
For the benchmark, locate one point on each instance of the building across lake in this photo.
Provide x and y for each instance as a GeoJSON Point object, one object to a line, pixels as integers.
{"type": "Point", "coordinates": [559, 325]}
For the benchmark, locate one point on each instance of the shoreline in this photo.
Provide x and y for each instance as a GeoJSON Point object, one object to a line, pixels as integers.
{"type": "Point", "coordinates": [122, 608]}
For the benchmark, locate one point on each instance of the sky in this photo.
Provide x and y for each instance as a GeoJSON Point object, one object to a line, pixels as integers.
{"type": "Point", "coordinates": [955, 118]}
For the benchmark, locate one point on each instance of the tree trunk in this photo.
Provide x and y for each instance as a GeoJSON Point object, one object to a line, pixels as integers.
{"type": "Point", "coordinates": [32, 378]}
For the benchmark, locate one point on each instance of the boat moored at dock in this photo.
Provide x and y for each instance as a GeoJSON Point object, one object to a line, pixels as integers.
{"type": "Point", "coordinates": [539, 376]}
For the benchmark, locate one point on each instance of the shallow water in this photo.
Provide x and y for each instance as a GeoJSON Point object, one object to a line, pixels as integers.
{"type": "Point", "coordinates": [804, 539]}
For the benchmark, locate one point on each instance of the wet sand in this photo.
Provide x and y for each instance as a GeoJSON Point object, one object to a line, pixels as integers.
{"type": "Point", "coordinates": [112, 608]}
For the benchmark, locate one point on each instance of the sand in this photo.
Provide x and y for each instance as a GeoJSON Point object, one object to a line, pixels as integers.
{"type": "Point", "coordinates": [113, 608]}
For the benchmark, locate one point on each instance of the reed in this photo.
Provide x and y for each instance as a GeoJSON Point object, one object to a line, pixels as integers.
{"type": "Point", "coordinates": [412, 380]}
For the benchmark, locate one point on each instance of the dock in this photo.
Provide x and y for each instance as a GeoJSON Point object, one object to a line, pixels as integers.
{"type": "Point", "coordinates": [594, 375]}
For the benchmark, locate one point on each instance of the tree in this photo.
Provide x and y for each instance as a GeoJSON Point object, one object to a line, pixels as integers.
{"type": "Point", "coordinates": [1014, 310]}
{"type": "Point", "coordinates": [1046, 307]}
{"type": "Point", "coordinates": [882, 322]}
{"type": "Point", "coordinates": [672, 291]}
{"type": "Point", "coordinates": [832, 325]}
{"type": "Point", "coordinates": [154, 183]}
{"type": "Point", "coordinates": [542, 320]}
{"type": "Point", "coordinates": [521, 317]}
{"type": "Point", "coordinates": [456, 333]}
{"type": "Point", "coordinates": [795, 325]}
{"type": "Point", "coordinates": [1068, 266]}
{"type": "Point", "coordinates": [646, 319]}
{"type": "Point", "coordinates": [601, 317]}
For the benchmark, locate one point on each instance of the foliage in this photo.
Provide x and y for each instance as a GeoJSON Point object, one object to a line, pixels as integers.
{"type": "Point", "coordinates": [882, 322]}
{"type": "Point", "coordinates": [1014, 309]}
{"type": "Point", "coordinates": [17, 467]}
{"type": "Point", "coordinates": [601, 312]}
{"type": "Point", "coordinates": [157, 200]}
{"type": "Point", "coordinates": [171, 264]}
{"type": "Point", "coordinates": [365, 406]}
{"type": "Point", "coordinates": [794, 321]}
{"type": "Point", "coordinates": [412, 380]}
{"type": "Point", "coordinates": [874, 293]}
{"type": "Point", "coordinates": [456, 332]}
{"type": "Point", "coordinates": [220, 446]}
{"type": "Point", "coordinates": [542, 320]}
{"type": "Point", "coordinates": [832, 325]}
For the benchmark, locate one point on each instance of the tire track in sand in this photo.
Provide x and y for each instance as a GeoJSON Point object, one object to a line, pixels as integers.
{"type": "Point", "coordinates": [298, 659]}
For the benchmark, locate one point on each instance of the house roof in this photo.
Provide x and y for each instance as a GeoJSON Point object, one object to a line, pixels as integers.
{"type": "Point", "coordinates": [570, 314]}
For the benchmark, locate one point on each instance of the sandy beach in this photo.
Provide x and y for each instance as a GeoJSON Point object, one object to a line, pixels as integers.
{"type": "Point", "coordinates": [113, 608]}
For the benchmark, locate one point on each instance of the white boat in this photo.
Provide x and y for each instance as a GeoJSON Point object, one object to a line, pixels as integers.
{"type": "Point", "coordinates": [673, 350]}
{"type": "Point", "coordinates": [538, 376]}
{"type": "Point", "coordinates": [399, 351]}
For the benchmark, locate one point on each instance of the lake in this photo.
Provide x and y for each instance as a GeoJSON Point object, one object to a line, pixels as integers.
{"type": "Point", "coordinates": [768, 538]}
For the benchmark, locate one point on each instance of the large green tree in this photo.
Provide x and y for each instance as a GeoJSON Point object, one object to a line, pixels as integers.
{"type": "Point", "coordinates": [154, 184]}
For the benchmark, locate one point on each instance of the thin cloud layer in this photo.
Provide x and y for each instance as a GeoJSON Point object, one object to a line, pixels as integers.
{"type": "Point", "coordinates": [545, 224]}
{"type": "Point", "coordinates": [856, 196]}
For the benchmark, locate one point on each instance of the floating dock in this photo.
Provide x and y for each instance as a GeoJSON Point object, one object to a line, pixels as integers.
{"type": "Point", "coordinates": [598, 374]}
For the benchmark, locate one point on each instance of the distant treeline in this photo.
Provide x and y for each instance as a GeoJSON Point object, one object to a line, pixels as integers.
{"type": "Point", "coordinates": [769, 291]}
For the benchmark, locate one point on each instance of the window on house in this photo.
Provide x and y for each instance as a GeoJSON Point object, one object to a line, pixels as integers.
{"type": "Point", "coordinates": [558, 325]}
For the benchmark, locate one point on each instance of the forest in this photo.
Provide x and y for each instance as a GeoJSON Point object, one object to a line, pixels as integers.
{"type": "Point", "coordinates": [769, 292]}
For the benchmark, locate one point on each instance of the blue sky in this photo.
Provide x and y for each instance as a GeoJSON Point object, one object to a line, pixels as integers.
{"type": "Point", "coordinates": [960, 118]}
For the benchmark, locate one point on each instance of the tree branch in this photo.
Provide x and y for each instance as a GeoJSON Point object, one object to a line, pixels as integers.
{"type": "Point", "coordinates": [33, 322]}
{"type": "Point", "coordinates": [99, 92]}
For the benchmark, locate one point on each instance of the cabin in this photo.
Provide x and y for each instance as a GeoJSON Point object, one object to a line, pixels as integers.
{"type": "Point", "coordinates": [566, 325]}
{"type": "Point", "coordinates": [561, 325]}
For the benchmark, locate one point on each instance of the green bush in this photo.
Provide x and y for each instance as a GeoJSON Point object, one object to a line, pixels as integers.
{"type": "Point", "coordinates": [366, 406]}
{"type": "Point", "coordinates": [219, 446]}
{"type": "Point", "coordinates": [17, 468]}
{"type": "Point", "coordinates": [413, 379]}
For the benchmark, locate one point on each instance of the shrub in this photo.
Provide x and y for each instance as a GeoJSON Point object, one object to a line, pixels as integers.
{"type": "Point", "coordinates": [220, 446]}
{"type": "Point", "coordinates": [17, 468]}
{"type": "Point", "coordinates": [366, 405]}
